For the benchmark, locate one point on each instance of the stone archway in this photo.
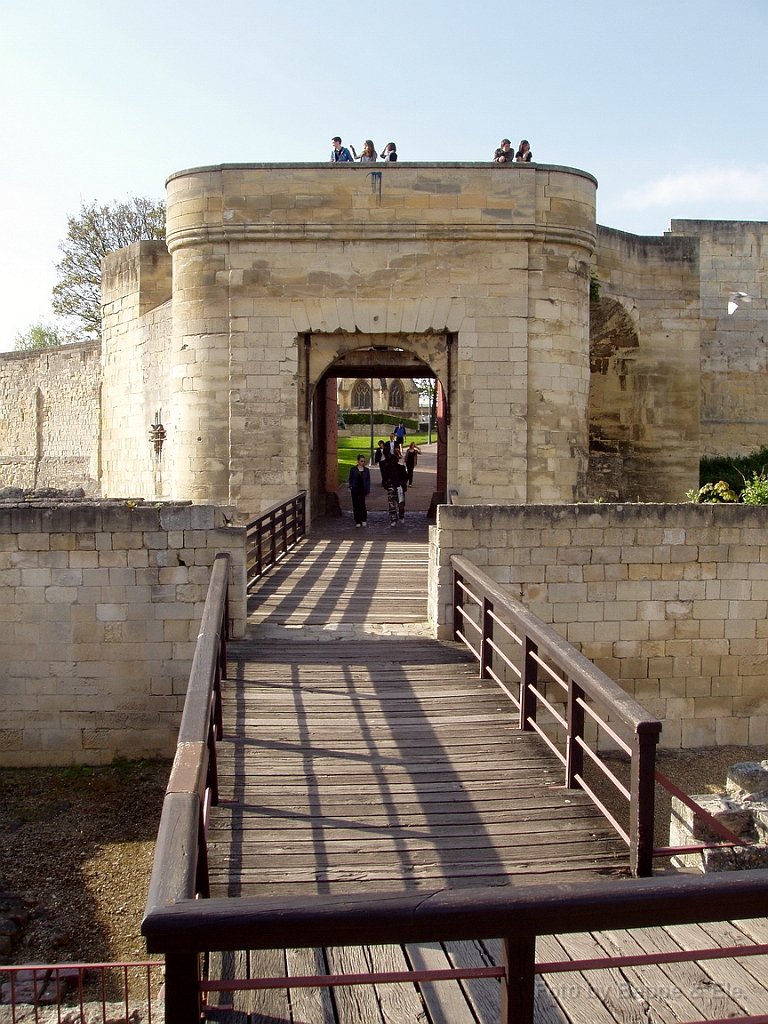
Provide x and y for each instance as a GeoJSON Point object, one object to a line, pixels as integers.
{"type": "Point", "coordinates": [367, 356]}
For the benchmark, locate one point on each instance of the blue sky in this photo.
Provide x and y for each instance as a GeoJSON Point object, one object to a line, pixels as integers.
{"type": "Point", "coordinates": [664, 101]}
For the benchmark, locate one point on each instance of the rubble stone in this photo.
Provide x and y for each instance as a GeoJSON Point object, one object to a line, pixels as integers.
{"type": "Point", "coordinates": [747, 780]}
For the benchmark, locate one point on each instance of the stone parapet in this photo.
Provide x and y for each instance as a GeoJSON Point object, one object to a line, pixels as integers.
{"type": "Point", "coordinates": [668, 600]}
{"type": "Point", "coordinates": [101, 605]}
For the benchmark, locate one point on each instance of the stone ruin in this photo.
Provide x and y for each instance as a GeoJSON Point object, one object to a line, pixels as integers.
{"type": "Point", "coordinates": [742, 808]}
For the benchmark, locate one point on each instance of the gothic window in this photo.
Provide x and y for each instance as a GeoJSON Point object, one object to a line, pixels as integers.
{"type": "Point", "coordinates": [361, 395]}
{"type": "Point", "coordinates": [396, 395]}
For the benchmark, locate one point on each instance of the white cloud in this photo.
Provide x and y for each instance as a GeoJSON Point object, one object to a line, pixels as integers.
{"type": "Point", "coordinates": [724, 185]}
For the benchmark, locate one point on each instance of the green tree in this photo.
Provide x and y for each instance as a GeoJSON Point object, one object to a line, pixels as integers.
{"type": "Point", "coordinates": [93, 234]}
{"type": "Point", "coordinates": [41, 335]}
{"type": "Point", "coordinates": [427, 388]}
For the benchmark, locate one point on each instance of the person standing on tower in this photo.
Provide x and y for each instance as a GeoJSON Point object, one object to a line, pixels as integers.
{"type": "Point", "coordinates": [340, 154]}
{"type": "Point", "coordinates": [504, 154]}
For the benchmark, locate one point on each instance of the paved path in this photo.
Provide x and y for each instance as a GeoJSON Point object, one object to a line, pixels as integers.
{"type": "Point", "coordinates": [418, 495]}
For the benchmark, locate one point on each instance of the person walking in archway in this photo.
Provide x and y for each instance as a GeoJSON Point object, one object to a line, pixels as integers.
{"type": "Point", "coordinates": [380, 459]}
{"type": "Point", "coordinates": [396, 480]}
{"type": "Point", "coordinates": [359, 489]}
{"type": "Point", "coordinates": [411, 458]}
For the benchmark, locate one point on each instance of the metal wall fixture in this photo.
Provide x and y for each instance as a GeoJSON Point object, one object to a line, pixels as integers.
{"type": "Point", "coordinates": [157, 435]}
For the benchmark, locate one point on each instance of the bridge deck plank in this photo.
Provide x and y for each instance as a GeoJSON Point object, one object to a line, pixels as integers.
{"type": "Point", "coordinates": [359, 755]}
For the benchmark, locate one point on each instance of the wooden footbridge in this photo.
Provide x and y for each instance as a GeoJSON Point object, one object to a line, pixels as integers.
{"type": "Point", "coordinates": [376, 839]}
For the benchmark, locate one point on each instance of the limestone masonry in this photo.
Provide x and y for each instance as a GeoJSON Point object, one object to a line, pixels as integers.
{"type": "Point", "coordinates": [573, 362]}
{"type": "Point", "coordinates": [100, 604]}
{"type": "Point", "coordinates": [671, 601]}
{"type": "Point", "coordinates": [279, 279]}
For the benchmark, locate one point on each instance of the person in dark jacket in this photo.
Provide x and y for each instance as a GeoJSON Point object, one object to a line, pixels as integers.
{"type": "Point", "coordinates": [360, 488]}
{"type": "Point", "coordinates": [380, 459]}
{"type": "Point", "coordinates": [411, 458]}
{"type": "Point", "coordinates": [396, 480]}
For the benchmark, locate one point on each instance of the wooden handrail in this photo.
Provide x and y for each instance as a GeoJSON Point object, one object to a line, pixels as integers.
{"type": "Point", "coordinates": [581, 681]}
{"type": "Point", "coordinates": [597, 684]}
{"type": "Point", "coordinates": [516, 914]}
{"type": "Point", "coordinates": [180, 868]}
{"type": "Point", "coordinates": [271, 534]}
{"type": "Point", "coordinates": [550, 908]}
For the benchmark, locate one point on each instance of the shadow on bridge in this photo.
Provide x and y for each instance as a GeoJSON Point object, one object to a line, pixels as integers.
{"type": "Point", "coordinates": [360, 754]}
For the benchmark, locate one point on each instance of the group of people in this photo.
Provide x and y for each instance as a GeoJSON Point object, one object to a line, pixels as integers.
{"type": "Point", "coordinates": [341, 155]}
{"type": "Point", "coordinates": [506, 155]}
{"type": "Point", "coordinates": [503, 155]}
{"type": "Point", "coordinates": [396, 471]}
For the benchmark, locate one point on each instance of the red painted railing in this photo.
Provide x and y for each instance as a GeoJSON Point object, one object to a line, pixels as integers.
{"type": "Point", "coordinates": [98, 991]}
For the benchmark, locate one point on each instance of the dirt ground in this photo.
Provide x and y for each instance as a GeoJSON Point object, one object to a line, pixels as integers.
{"type": "Point", "coordinates": [77, 845]}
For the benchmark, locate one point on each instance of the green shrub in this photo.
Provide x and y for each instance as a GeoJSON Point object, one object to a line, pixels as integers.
{"type": "Point", "coordinates": [713, 494]}
{"type": "Point", "coordinates": [379, 417]}
{"type": "Point", "coordinates": [756, 490]}
{"type": "Point", "coordinates": [734, 471]}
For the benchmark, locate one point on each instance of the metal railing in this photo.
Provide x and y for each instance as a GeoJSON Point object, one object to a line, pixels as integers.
{"type": "Point", "coordinates": [99, 992]}
{"type": "Point", "coordinates": [495, 623]}
{"type": "Point", "coordinates": [273, 533]}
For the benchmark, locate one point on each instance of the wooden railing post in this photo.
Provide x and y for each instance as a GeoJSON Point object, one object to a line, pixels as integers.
{"type": "Point", "coordinates": [642, 803]}
{"type": "Point", "coordinates": [517, 986]}
{"type": "Point", "coordinates": [458, 602]}
{"type": "Point", "coordinates": [574, 752]}
{"type": "Point", "coordinates": [528, 679]}
{"type": "Point", "coordinates": [259, 548]}
{"type": "Point", "coordinates": [182, 995]}
{"type": "Point", "coordinates": [486, 651]}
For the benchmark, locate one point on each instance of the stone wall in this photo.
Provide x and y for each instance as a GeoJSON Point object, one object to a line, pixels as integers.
{"type": "Point", "coordinates": [669, 600]}
{"type": "Point", "coordinates": [101, 606]}
{"type": "Point", "coordinates": [136, 337]}
{"type": "Point", "coordinates": [645, 381]}
{"type": "Point", "coordinates": [280, 271]}
{"type": "Point", "coordinates": [733, 257]}
{"type": "Point", "coordinates": [49, 418]}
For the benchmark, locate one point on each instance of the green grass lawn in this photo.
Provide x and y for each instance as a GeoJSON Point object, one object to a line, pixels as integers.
{"type": "Point", "coordinates": [350, 448]}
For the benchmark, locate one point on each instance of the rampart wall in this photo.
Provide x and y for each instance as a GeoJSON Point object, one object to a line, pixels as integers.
{"type": "Point", "coordinates": [101, 605]}
{"type": "Point", "coordinates": [733, 257]}
{"type": "Point", "coordinates": [136, 338]}
{"type": "Point", "coordinates": [669, 600]}
{"type": "Point", "coordinates": [49, 418]}
{"type": "Point", "coordinates": [645, 369]}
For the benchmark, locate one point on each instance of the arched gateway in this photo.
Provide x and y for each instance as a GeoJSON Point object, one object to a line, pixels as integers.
{"type": "Point", "coordinates": [287, 276]}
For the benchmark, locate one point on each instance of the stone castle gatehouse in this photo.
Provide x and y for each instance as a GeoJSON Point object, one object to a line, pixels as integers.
{"type": "Point", "coordinates": [277, 280]}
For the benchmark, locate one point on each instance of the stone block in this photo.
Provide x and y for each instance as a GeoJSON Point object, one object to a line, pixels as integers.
{"type": "Point", "coordinates": [686, 828]}
{"type": "Point", "coordinates": [747, 780]}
